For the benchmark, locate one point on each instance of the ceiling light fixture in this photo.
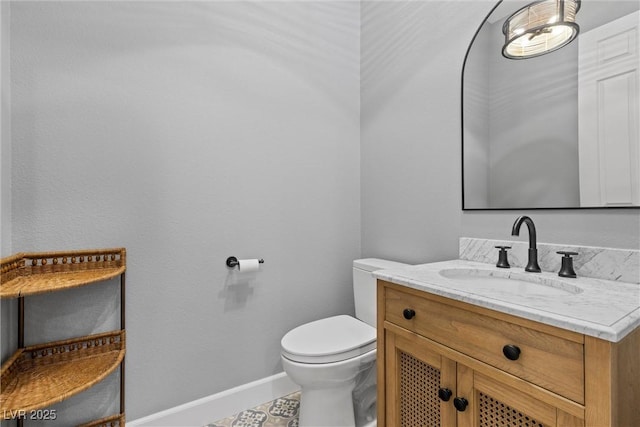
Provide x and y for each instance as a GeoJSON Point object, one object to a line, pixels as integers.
{"type": "Point", "coordinates": [539, 28]}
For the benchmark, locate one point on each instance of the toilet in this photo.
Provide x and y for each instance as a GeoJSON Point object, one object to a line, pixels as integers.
{"type": "Point", "coordinates": [333, 359]}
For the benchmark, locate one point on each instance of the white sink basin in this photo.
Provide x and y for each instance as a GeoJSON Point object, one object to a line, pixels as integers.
{"type": "Point", "coordinates": [509, 283]}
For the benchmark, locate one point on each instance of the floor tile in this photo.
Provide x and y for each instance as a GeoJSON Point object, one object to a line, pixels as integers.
{"type": "Point", "coordinates": [281, 412]}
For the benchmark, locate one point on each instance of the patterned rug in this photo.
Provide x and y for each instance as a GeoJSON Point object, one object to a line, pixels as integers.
{"type": "Point", "coordinates": [282, 412]}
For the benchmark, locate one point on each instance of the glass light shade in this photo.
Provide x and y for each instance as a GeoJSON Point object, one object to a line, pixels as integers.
{"type": "Point", "coordinates": [539, 28]}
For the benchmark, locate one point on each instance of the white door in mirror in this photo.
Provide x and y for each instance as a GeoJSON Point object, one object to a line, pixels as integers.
{"type": "Point", "coordinates": [608, 113]}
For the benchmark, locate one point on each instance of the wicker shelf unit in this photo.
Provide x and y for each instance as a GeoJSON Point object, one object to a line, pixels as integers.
{"type": "Point", "coordinates": [38, 376]}
{"type": "Point", "coordinates": [27, 274]}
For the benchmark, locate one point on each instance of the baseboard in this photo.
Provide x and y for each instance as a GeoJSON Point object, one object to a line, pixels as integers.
{"type": "Point", "coordinates": [220, 405]}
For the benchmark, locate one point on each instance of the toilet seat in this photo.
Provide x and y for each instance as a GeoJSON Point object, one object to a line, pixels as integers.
{"type": "Point", "coordinates": [329, 340]}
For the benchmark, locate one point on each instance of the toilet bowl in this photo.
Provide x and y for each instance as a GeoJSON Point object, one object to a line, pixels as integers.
{"type": "Point", "coordinates": [333, 359]}
{"type": "Point", "coordinates": [326, 357]}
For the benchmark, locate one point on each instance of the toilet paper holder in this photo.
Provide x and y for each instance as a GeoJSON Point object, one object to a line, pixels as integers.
{"type": "Point", "coordinates": [233, 261]}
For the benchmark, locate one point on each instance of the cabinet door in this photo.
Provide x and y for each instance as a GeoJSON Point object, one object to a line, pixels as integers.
{"type": "Point", "coordinates": [416, 376]}
{"type": "Point", "coordinates": [492, 403]}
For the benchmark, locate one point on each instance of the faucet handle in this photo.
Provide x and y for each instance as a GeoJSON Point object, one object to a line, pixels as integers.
{"type": "Point", "coordinates": [566, 269]}
{"type": "Point", "coordinates": [503, 262]}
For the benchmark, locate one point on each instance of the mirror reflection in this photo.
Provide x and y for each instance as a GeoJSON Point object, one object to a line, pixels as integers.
{"type": "Point", "coordinates": [557, 130]}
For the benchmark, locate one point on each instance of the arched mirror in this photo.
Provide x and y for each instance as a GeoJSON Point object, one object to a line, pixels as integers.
{"type": "Point", "coordinates": [556, 130]}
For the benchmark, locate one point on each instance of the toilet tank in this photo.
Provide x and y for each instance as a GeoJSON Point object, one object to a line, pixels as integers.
{"type": "Point", "coordinates": [364, 286]}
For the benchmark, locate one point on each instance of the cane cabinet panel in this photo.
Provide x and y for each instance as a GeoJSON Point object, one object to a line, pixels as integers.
{"type": "Point", "coordinates": [448, 363]}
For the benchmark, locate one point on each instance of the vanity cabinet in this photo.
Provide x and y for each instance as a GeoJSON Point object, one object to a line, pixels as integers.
{"type": "Point", "coordinates": [443, 362]}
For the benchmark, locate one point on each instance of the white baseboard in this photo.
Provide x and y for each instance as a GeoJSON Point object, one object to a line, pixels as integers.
{"type": "Point", "coordinates": [220, 405]}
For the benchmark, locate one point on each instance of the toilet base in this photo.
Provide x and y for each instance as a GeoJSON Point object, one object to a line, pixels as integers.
{"type": "Point", "coordinates": [327, 407]}
{"type": "Point", "coordinates": [327, 398]}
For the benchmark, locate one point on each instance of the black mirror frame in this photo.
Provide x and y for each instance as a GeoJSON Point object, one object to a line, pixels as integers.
{"type": "Point", "coordinates": [464, 63]}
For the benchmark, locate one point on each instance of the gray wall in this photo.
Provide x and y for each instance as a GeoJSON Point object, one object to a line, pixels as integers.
{"type": "Point", "coordinates": [410, 126]}
{"type": "Point", "coordinates": [5, 133]}
{"type": "Point", "coordinates": [7, 308]}
{"type": "Point", "coordinates": [189, 132]}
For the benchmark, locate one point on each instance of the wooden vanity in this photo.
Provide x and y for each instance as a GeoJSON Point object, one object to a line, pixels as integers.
{"type": "Point", "coordinates": [444, 362]}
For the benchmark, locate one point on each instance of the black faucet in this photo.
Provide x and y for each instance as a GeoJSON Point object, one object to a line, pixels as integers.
{"type": "Point", "coordinates": [532, 263]}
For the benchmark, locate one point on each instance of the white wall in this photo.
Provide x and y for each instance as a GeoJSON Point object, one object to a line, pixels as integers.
{"type": "Point", "coordinates": [188, 132]}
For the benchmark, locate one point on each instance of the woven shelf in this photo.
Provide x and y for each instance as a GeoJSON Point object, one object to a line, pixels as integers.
{"type": "Point", "coordinates": [41, 375]}
{"type": "Point", "coordinates": [112, 421]}
{"type": "Point", "coordinates": [26, 274]}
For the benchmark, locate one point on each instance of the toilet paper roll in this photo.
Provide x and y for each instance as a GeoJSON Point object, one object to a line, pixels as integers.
{"type": "Point", "coordinates": [248, 265]}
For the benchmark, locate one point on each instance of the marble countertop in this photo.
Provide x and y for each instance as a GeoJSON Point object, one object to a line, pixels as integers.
{"type": "Point", "coordinates": [600, 308]}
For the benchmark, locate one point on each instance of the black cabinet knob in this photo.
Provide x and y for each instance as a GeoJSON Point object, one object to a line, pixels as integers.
{"type": "Point", "coordinates": [511, 352]}
{"type": "Point", "coordinates": [408, 313]}
{"type": "Point", "coordinates": [445, 394]}
{"type": "Point", "coordinates": [460, 403]}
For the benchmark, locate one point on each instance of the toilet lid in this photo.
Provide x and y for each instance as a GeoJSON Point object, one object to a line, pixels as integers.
{"type": "Point", "coordinates": [329, 340]}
